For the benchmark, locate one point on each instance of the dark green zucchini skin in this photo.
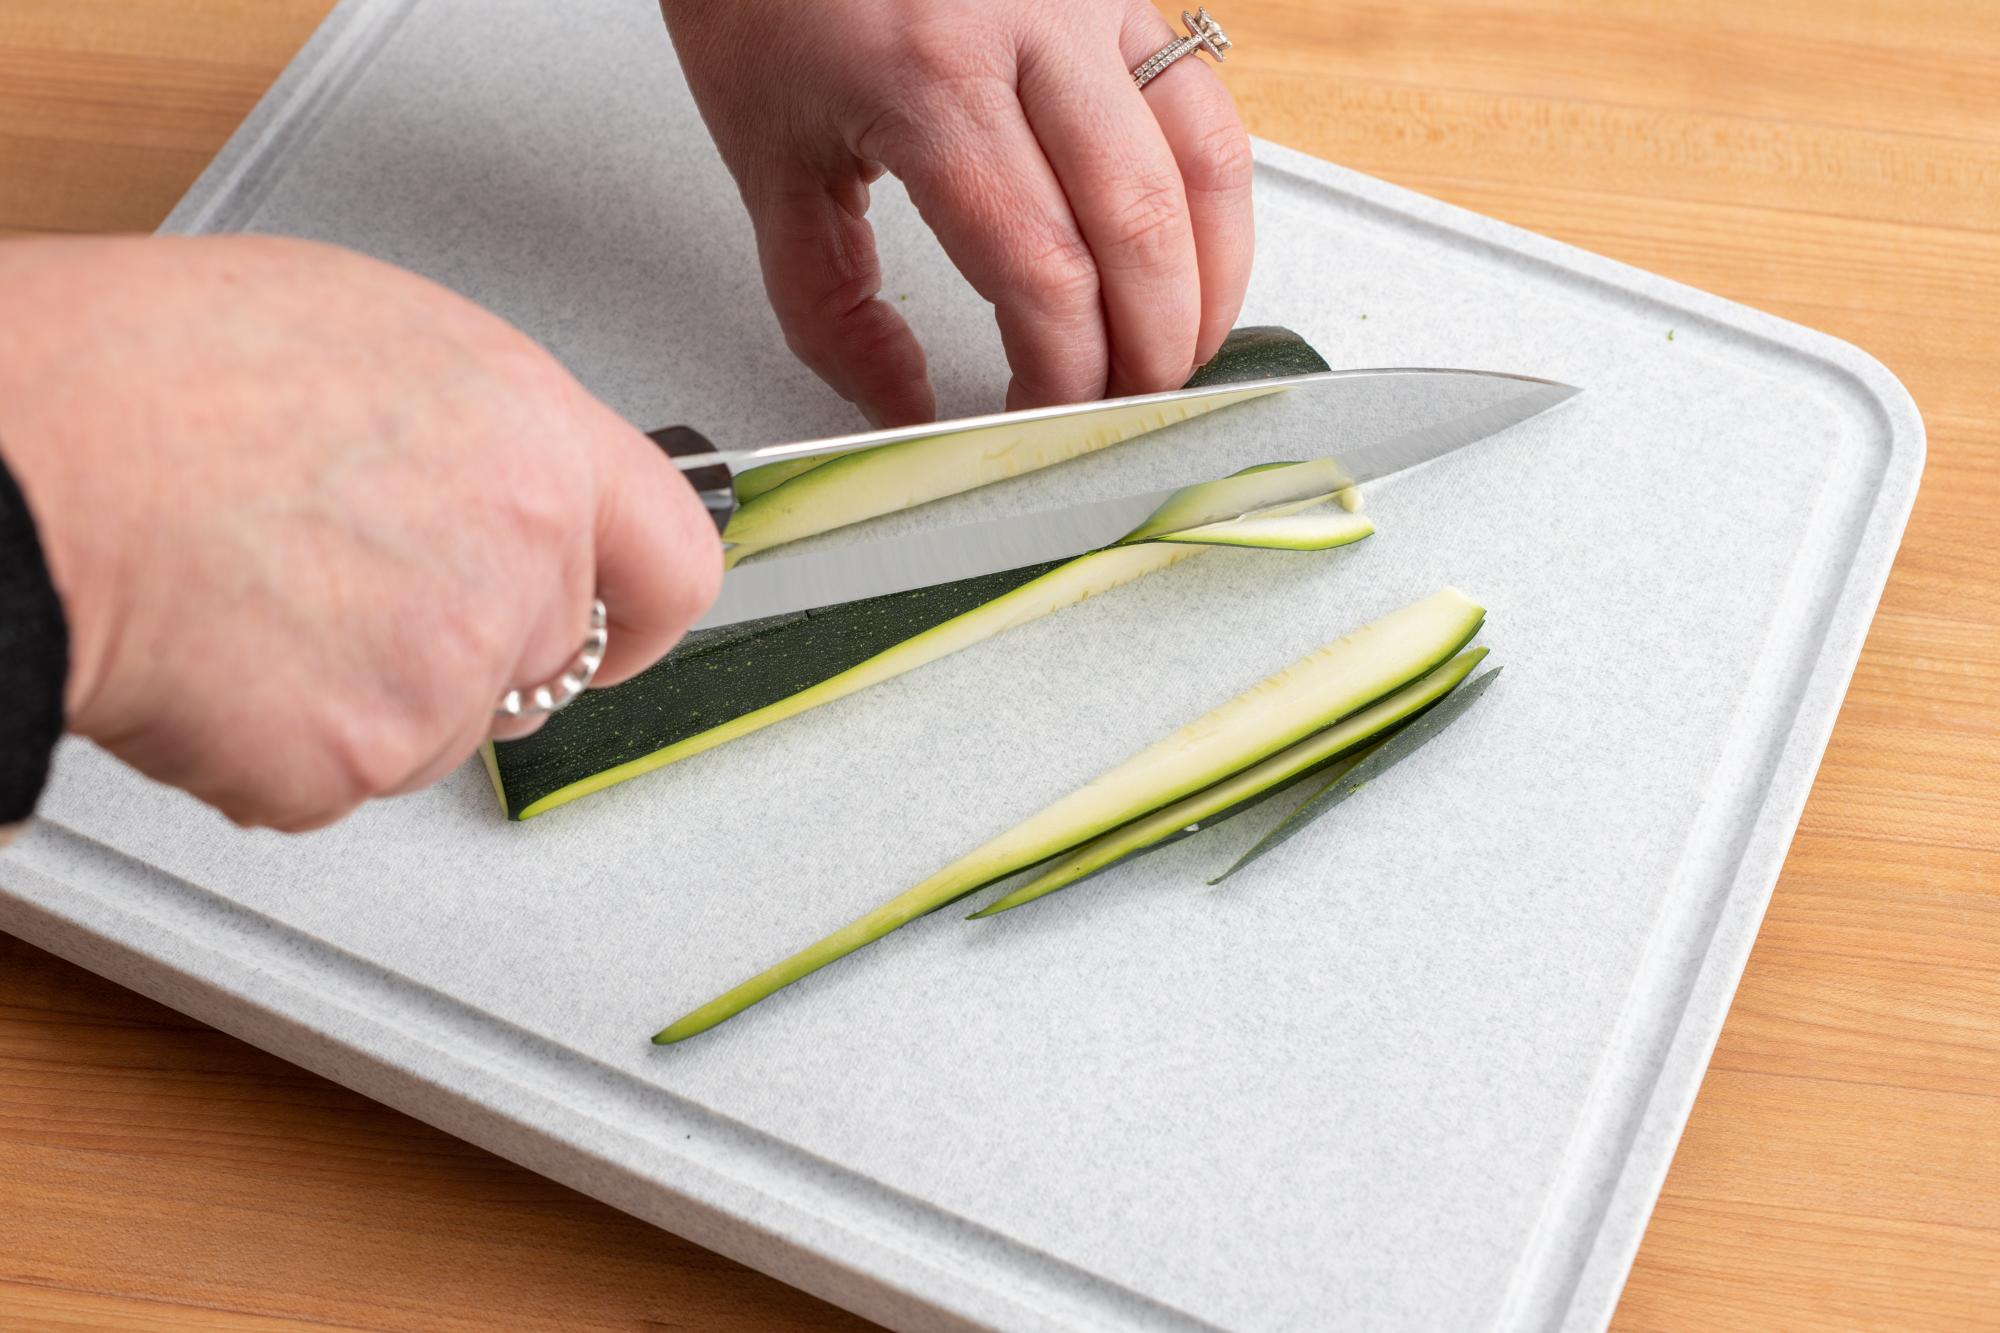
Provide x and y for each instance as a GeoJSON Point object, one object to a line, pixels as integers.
{"type": "Point", "coordinates": [715, 676]}
{"type": "Point", "coordinates": [1258, 352]}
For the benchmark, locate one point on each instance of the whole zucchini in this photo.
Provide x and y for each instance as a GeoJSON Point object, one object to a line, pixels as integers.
{"type": "Point", "coordinates": [724, 683]}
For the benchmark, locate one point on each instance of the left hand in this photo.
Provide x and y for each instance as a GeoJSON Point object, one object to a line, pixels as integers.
{"type": "Point", "coordinates": [1109, 227]}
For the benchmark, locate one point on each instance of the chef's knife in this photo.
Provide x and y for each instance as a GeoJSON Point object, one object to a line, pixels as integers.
{"type": "Point", "coordinates": [1330, 425]}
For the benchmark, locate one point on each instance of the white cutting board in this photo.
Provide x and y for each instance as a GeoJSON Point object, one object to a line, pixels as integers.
{"type": "Point", "coordinates": [1424, 1068]}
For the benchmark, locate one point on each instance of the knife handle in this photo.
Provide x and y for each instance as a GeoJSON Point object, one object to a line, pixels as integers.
{"type": "Point", "coordinates": [711, 480]}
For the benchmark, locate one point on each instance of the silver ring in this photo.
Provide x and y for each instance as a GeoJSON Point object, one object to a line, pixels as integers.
{"type": "Point", "coordinates": [1204, 34]}
{"type": "Point", "coordinates": [575, 677]}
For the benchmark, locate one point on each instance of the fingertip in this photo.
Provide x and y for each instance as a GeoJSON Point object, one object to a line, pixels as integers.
{"type": "Point", "coordinates": [1055, 361]}
{"type": "Point", "coordinates": [1213, 333]}
{"type": "Point", "coordinates": [1160, 378]}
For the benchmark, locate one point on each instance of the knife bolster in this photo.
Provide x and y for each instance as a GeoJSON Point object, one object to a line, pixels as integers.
{"type": "Point", "coordinates": [711, 481]}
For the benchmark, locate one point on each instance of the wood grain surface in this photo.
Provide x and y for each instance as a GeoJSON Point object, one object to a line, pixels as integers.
{"type": "Point", "coordinates": [1834, 161]}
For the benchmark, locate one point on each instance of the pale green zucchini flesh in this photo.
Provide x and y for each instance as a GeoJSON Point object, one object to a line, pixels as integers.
{"type": "Point", "coordinates": [1308, 696]}
{"type": "Point", "coordinates": [1272, 488]}
{"type": "Point", "coordinates": [891, 477]}
{"type": "Point", "coordinates": [795, 498]}
{"type": "Point", "coordinates": [1274, 532]}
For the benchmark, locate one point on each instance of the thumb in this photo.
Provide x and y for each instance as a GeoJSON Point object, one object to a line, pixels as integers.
{"type": "Point", "coordinates": [659, 561]}
{"type": "Point", "coordinates": [824, 281]}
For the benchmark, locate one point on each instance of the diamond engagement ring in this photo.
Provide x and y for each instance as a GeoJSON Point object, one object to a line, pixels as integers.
{"type": "Point", "coordinates": [575, 677]}
{"type": "Point", "coordinates": [1204, 34]}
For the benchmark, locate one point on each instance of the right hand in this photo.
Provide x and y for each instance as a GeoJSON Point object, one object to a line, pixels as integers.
{"type": "Point", "coordinates": [310, 515]}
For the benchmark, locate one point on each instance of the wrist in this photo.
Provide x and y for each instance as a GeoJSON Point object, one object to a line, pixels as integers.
{"type": "Point", "coordinates": [54, 419]}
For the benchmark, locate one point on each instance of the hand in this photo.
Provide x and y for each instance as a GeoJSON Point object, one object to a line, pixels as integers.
{"type": "Point", "coordinates": [1109, 227]}
{"type": "Point", "coordinates": [310, 516]}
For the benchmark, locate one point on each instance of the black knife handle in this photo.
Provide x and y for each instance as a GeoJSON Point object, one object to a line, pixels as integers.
{"type": "Point", "coordinates": [711, 481]}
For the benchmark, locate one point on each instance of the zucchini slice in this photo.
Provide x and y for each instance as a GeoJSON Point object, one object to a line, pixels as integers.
{"type": "Point", "coordinates": [1273, 488]}
{"type": "Point", "coordinates": [1244, 787]}
{"type": "Point", "coordinates": [1278, 532]}
{"type": "Point", "coordinates": [871, 482]}
{"type": "Point", "coordinates": [1312, 694]}
{"type": "Point", "coordinates": [1369, 765]}
{"type": "Point", "coordinates": [697, 699]}
{"type": "Point", "coordinates": [784, 501]}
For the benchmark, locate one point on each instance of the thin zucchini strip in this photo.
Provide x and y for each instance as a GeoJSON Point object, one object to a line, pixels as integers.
{"type": "Point", "coordinates": [1308, 696]}
{"type": "Point", "coordinates": [892, 477]}
{"type": "Point", "coordinates": [1065, 584]}
{"type": "Point", "coordinates": [796, 498]}
{"type": "Point", "coordinates": [1244, 787]}
{"type": "Point", "coordinates": [1337, 787]}
{"type": "Point", "coordinates": [1293, 532]}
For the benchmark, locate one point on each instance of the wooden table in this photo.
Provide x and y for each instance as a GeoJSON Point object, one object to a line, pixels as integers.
{"type": "Point", "coordinates": [1834, 161]}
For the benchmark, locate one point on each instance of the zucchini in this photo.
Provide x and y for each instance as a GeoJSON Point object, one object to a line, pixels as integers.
{"type": "Point", "coordinates": [724, 683]}
{"type": "Point", "coordinates": [1308, 696]}
{"type": "Point", "coordinates": [818, 495]}
{"type": "Point", "coordinates": [1245, 787]}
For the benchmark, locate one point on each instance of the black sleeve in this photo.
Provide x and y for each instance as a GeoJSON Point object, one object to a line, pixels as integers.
{"type": "Point", "coordinates": [34, 658]}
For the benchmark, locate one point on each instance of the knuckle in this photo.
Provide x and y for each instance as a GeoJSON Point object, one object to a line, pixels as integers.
{"type": "Point", "coordinates": [1149, 229]}
{"type": "Point", "coordinates": [947, 76]}
{"type": "Point", "coordinates": [1219, 161]}
{"type": "Point", "coordinates": [365, 757]}
{"type": "Point", "coordinates": [540, 508]}
{"type": "Point", "coordinates": [467, 644]}
{"type": "Point", "coordinates": [520, 371]}
{"type": "Point", "coordinates": [843, 298]}
{"type": "Point", "coordinates": [1063, 276]}
{"type": "Point", "coordinates": [948, 50]}
{"type": "Point", "coordinates": [885, 134]}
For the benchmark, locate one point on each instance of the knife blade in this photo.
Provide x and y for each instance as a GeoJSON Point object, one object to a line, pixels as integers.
{"type": "Point", "coordinates": [694, 454]}
{"type": "Point", "coordinates": [1336, 428]}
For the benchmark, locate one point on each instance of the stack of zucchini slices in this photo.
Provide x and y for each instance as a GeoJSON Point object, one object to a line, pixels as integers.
{"type": "Point", "coordinates": [1346, 705]}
